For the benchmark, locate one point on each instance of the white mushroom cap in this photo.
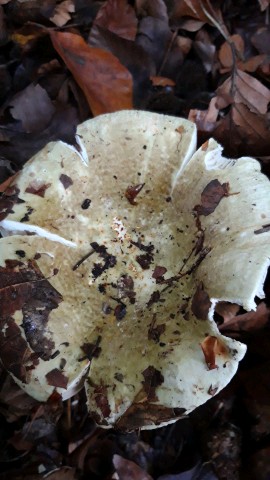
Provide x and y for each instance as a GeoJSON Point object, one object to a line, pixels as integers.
{"type": "Point", "coordinates": [133, 241]}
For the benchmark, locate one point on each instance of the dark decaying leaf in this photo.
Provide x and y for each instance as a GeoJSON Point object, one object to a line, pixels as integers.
{"type": "Point", "coordinates": [106, 83]}
{"type": "Point", "coordinates": [139, 414]}
{"type": "Point", "coordinates": [157, 9]}
{"type": "Point", "coordinates": [200, 304]}
{"type": "Point", "coordinates": [34, 296]}
{"type": "Point", "coordinates": [16, 356]}
{"type": "Point", "coordinates": [92, 350]}
{"type": "Point", "coordinates": [128, 470]}
{"type": "Point", "coordinates": [132, 191]}
{"type": "Point", "coordinates": [56, 378]}
{"type": "Point", "coordinates": [157, 40]}
{"type": "Point", "coordinates": [65, 180]}
{"type": "Point", "coordinates": [8, 200]}
{"type": "Point", "coordinates": [33, 107]}
{"type": "Point", "coordinates": [19, 147]}
{"type": "Point", "coordinates": [153, 378]}
{"type": "Point", "coordinates": [37, 189]}
{"type": "Point", "coordinates": [118, 17]}
{"type": "Point", "coordinates": [211, 196]}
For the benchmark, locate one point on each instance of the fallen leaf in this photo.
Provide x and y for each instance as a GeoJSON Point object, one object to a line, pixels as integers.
{"type": "Point", "coordinates": [148, 8]}
{"type": "Point", "coordinates": [132, 191]}
{"type": "Point", "coordinates": [153, 378]}
{"type": "Point", "coordinates": [201, 10]}
{"type": "Point", "coordinates": [19, 147]}
{"type": "Point", "coordinates": [61, 14]}
{"type": "Point", "coordinates": [118, 17]}
{"type": "Point", "coordinates": [227, 311]}
{"type": "Point", "coordinates": [33, 107]}
{"type": "Point", "coordinates": [228, 59]}
{"type": "Point", "coordinates": [7, 182]}
{"type": "Point", "coordinates": [211, 197]}
{"type": "Point", "coordinates": [128, 470]}
{"type": "Point", "coordinates": [261, 40]}
{"type": "Point", "coordinates": [200, 303]}
{"type": "Point", "coordinates": [206, 120]}
{"type": "Point", "coordinates": [56, 378]}
{"type": "Point", "coordinates": [225, 53]}
{"type": "Point", "coordinates": [212, 346]}
{"type": "Point", "coordinates": [162, 82]}
{"type": "Point", "coordinates": [247, 322]}
{"type": "Point", "coordinates": [106, 83]}
{"type": "Point", "coordinates": [32, 294]}
{"type": "Point", "coordinates": [156, 38]}
{"type": "Point", "coordinates": [243, 88]}
{"type": "Point", "coordinates": [131, 55]}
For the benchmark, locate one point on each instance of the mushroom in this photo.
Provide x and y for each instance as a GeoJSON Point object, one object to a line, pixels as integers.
{"type": "Point", "coordinates": [114, 255]}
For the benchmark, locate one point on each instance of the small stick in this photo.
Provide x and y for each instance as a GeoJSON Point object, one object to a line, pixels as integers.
{"type": "Point", "coordinates": [82, 260]}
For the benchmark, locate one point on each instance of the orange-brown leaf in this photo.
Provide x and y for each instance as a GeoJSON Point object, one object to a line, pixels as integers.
{"type": "Point", "coordinates": [106, 83]}
{"type": "Point", "coordinates": [212, 346]}
{"type": "Point", "coordinates": [162, 81]}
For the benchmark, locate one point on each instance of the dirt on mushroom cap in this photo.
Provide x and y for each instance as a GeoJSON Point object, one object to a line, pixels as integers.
{"type": "Point", "coordinates": [135, 331]}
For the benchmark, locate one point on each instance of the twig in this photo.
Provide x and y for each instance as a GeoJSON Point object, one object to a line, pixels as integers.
{"type": "Point", "coordinates": [82, 260]}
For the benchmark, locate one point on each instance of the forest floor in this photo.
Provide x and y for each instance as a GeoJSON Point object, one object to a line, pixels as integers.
{"type": "Point", "coordinates": [208, 61]}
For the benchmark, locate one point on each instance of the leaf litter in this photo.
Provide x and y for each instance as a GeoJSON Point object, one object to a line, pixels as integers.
{"type": "Point", "coordinates": [193, 59]}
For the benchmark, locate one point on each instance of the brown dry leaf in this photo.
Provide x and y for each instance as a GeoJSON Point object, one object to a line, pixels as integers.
{"type": "Point", "coordinates": [206, 120]}
{"type": "Point", "coordinates": [33, 107]}
{"type": "Point", "coordinates": [227, 59]}
{"type": "Point", "coordinates": [118, 17]}
{"type": "Point", "coordinates": [225, 53]}
{"type": "Point", "coordinates": [243, 133]}
{"type": "Point", "coordinates": [253, 128]}
{"type": "Point", "coordinates": [212, 346]}
{"type": "Point", "coordinates": [247, 322]}
{"type": "Point", "coordinates": [245, 89]}
{"type": "Point", "coordinates": [106, 83]}
{"type": "Point", "coordinates": [128, 470]}
{"type": "Point", "coordinates": [201, 10]}
{"type": "Point", "coordinates": [227, 310]}
{"type": "Point", "coordinates": [61, 14]}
